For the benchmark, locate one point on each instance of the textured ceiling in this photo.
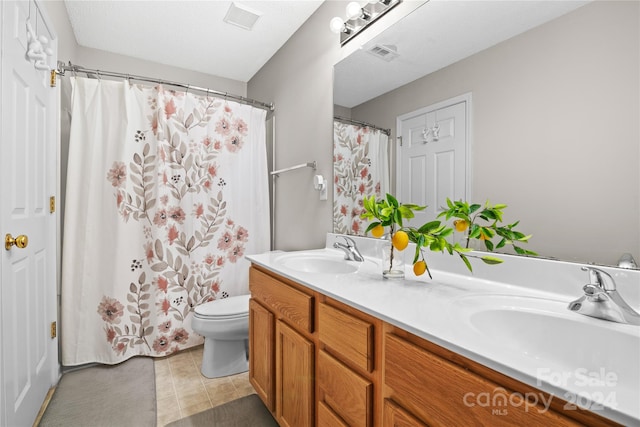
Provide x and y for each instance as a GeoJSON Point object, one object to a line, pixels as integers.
{"type": "Point", "coordinates": [189, 34]}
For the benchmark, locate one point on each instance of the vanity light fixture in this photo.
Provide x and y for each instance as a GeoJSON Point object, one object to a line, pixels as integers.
{"type": "Point", "coordinates": [360, 17]}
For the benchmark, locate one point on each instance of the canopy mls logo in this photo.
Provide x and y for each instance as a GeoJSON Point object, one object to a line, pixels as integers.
{"type": "Point", "coordinates": [591, 390]}
{"type": "Point", "coordinates": [500, 400]}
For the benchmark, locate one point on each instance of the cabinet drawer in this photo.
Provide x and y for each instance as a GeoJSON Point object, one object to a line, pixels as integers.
{"type": "Point", "coordinates": [295, 306]}
{"type": "Point", "coordinates": [442, 393]}
{"type": "Point", "coordinates": [347, 394]}
{"type": "Point", "coordinates": [328, 418]}
{"type": "Point", "coordinates": [395, 416]}
{"type": "Point", "coordinates": [348, 336]}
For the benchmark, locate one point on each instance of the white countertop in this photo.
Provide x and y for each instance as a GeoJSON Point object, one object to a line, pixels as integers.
{"type": "Point", "coordinates": [438, 311]}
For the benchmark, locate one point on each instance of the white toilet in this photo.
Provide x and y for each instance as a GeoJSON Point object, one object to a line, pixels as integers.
{"type": "Point", "coordinates": [224, 324]}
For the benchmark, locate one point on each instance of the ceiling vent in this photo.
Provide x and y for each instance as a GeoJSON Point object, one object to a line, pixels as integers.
{"type": "Point", "coordinates": [241, 16]}
{"type": "Point", "coordinates": [385, 52]}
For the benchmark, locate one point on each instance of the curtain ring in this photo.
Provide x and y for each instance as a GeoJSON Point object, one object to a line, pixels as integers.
{"type": "Point", "coordinates": [99, 76]}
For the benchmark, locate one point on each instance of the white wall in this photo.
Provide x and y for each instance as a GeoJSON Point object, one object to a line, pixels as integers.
{"type": "Point", "coordinates": [299, 80]}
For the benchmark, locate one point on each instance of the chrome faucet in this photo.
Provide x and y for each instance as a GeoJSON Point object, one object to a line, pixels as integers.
{"type": "Point", "coordinates": [602, 300]}
{"type": "Point", "coordinates": [350, 249]}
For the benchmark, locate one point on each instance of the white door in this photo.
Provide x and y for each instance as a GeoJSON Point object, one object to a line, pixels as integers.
{"type": "Point", "coordinates": [28, 354]}
{"type": "Point", "coordinates": [432, 161]}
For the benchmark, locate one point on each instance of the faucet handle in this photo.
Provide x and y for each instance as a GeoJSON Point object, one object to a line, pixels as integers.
{"type": "Point", "coordinates": [349, 241]}
{"type": "Point", "coordinates": [600, 278]}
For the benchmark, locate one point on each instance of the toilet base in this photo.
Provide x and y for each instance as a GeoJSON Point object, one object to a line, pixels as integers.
{"type": "Point", "coordinates": [224, 358]}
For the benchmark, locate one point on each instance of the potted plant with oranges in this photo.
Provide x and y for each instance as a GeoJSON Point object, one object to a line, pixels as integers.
{"type": "Point", "coordinates": [433, 235]}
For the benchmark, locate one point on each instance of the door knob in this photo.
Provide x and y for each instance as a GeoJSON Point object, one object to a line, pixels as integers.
{"type": "Point", "coordinates": [21, 241]}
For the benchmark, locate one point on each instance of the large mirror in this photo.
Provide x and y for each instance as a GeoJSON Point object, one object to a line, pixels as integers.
{"type": "Point", "coordinates": [554, 126]}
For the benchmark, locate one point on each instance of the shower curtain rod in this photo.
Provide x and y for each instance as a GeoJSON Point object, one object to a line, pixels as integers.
{"type": "Point", "coordinates": [62, 68]}
{"type": "Point", "coordinates": [357, 122]}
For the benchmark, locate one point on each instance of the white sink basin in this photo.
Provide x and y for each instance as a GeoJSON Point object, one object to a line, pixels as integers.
{"type": "Point", "coordinates": [563, 348]}
{"type": "Point", "coordinates": [318, 263]}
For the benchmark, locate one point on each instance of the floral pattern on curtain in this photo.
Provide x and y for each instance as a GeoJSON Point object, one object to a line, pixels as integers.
{"type": "Point", "coordinates": [166, 193]}
{"type": "Point", "coordinates": [360, 169]}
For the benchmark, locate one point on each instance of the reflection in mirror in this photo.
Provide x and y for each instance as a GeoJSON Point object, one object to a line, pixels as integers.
{"type": "Point", "coordinates": [360, 169]}
{"type": "Point", "coordinates": [556, 99]}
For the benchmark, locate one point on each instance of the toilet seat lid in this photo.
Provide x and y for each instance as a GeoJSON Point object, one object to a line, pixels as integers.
{"type": "Point", "coordinates": [225, 307]}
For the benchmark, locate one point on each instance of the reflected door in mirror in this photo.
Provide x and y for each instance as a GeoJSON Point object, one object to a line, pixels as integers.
{"type": "Point", "coordinates": [432, 160]}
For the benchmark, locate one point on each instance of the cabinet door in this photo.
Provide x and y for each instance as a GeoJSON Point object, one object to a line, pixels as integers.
{"type": "Point", "coordinates": [348, 394]}
{"type": "Point", "coordinates": [294, 377]}
{"type": "Point", "coordinates": [261, 352]}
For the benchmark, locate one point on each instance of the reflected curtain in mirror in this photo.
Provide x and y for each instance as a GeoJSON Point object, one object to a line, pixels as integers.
{"type": "Point", "coordinates": [360, 169]}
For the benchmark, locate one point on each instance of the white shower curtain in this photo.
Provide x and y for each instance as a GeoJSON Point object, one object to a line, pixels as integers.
{"type": "Point", "coordinates": [360, 169]}
{"type": "Point", "coordinates": [166, 193]}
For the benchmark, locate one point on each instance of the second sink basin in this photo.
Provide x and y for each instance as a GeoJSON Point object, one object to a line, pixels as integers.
{"type": "Point", "coordinates": [563, 348]}
{"type": "Point", "coordinates": [321, 262]}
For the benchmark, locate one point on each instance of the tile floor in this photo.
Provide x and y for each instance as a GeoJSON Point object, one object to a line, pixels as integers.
{"type": "Point", "coordinates": [181, 390]}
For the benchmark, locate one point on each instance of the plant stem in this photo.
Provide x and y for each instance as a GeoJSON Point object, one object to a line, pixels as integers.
{"type": "Point", "coordinates": [391, 248]}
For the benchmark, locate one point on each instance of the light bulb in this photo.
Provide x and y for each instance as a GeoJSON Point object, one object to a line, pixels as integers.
{"type": "Point", "coordinates": [337, 25]}
{"type": "Point", "coordinates": [354, 10]}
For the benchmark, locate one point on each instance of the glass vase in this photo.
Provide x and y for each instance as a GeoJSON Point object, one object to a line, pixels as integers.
{"type": "Point", "coordinates": [392, 261]}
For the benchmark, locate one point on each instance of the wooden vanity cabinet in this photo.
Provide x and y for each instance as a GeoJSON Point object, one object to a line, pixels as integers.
{"type": "Point", "coordinates": [315, 361]}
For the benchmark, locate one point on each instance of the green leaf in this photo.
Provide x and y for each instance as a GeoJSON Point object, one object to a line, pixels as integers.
{"type": "Point", "coordinates": [372, 226]}
{"type": "Point", "coordinates": [416, 255]}
{"type": "Point", "coordinates": [392, 200]}
{"type": "Point", "coordinates": [488, 245]}
{"type": "Point", "coordinates": [488, 214]}
{"type": "Point", "coordinates": [449, 203]}
{"type": "Point", "coordinates": [491, 260]}
{"type": "Point", "coordinates": [474, 207]}
{"type": "Point", "coordinates": [466, 262]}
{"type": "Point", "coordinates": [475, 231]}
{"type": "Point", "coordinates": [397, 217]}
{"type": "Point", "coordinates": [429, 226]}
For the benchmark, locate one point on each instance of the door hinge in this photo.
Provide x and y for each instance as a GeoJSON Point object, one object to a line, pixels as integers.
{"type": "Point", "coordinates": [399, 140]}
{"type": "Point", "coordinates": [52, 204]}
{"type": "Point", "coordinates": [53, 330]}
{"type": "Point", "coordinates": [52, 81]}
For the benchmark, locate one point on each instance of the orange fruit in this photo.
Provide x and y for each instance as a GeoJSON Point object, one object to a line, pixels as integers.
{"type": "Point", "coordinates": [400, 240]}
{"type": "Point", "coordinates": [460, 225]}
{"type": "Point", "coordinates": [419, 268]}
{"type": "Point", "coordinates": [377, 231]}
